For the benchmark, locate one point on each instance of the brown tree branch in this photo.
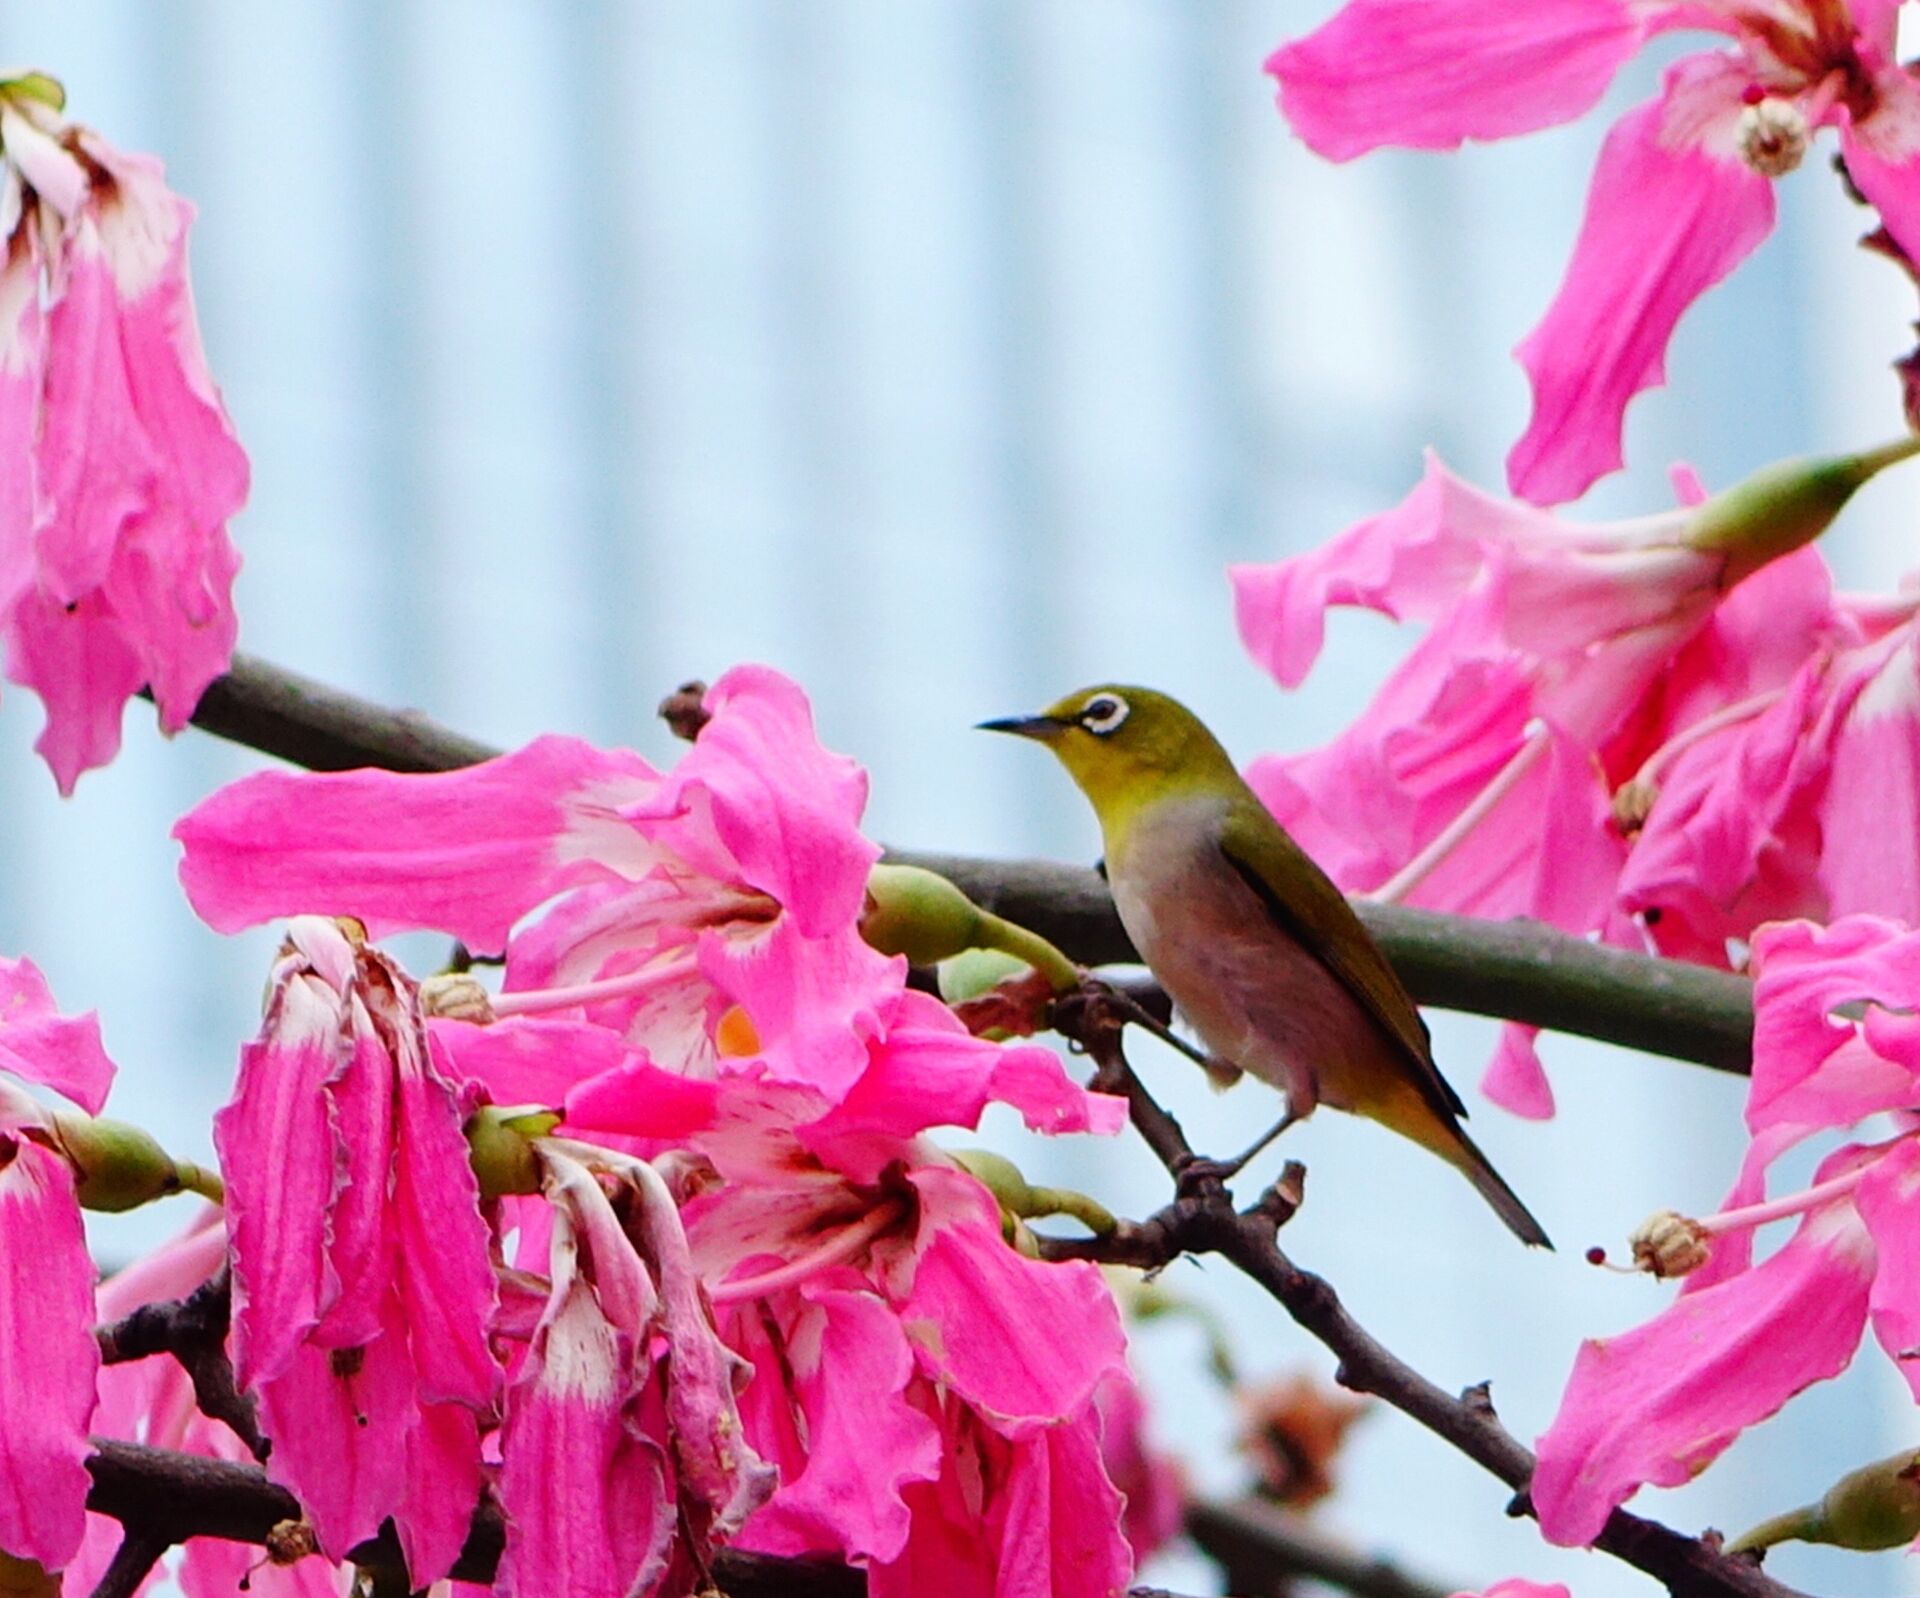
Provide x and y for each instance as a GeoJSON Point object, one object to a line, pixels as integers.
{"type": "Point", "coordinates": [191, 1496]}
{"type": "Point", "coordinates": [194, 1331]}
{"type": "Point", "coordinates": [1252, 1539]}
{"type": "Point", "coordinates": [1517, 970]}
{"type": "Point", "coordinates": [1202, 1219]}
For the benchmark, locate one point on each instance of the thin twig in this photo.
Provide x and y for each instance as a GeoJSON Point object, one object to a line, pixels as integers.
{"type": "Point", "coordinates": [140, 1550]}
{"type": "Point", "coordinates": [1202, 1219]}
{"type": "Point", "coordinates": [194, 1331]}
{"type": "Point", "coordinates": [1517, 970]}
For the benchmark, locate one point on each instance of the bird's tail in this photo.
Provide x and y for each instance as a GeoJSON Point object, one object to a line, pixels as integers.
{"type": "Point", "coordinates": [1493, 1188]}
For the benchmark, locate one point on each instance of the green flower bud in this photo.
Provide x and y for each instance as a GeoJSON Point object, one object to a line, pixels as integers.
{"type": "Point", "coordinates": [500, 1147]}
{"type": "Point", "coordinates": [1019, 1200]}
{"type": "Point", "coordinates": [1783, 506]}
{"type": "Point", "coordinates": [119, 1166]}
{"type": "Point", "coordinates": [1876, 1506]}
{"type": "Point", "coordinates": [977, 971]}
{"type": "Point", "coordinates": [919, 914]}
{"type": "Point", "coordinates": [41, 86]}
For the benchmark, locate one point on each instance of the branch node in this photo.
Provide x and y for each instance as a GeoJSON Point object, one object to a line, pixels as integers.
{"type": "Point", "coordinates": [685, 709]}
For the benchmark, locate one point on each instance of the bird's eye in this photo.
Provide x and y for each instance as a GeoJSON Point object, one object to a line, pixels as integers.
{"type": "Point", "coordinates": [1103, 714]}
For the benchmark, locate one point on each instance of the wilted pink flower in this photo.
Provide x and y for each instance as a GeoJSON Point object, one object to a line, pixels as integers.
{"type": "Point", "coordinates": [151, 1401]}
{"type": "Point", "coordinates": [1835, 1041]}
{"type": "Point", "coordinates": [363, 1278]}
{"type": "Point", "coordinates": [1682, 193]}
{"type": "Point", "coordinates": [624, 1459]}
{"type": "Point", "coordinates": [47, 1355]}
{"type": "Point", "coordinates": [733, 882]}
{"type": "Point", "coordinates": [118, 467]}
{"type": "Point", "coordinates": [1562, 662]}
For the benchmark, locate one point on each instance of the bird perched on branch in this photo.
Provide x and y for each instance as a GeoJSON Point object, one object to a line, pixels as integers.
{"type": "Point", "coordinates": [1258, 949]}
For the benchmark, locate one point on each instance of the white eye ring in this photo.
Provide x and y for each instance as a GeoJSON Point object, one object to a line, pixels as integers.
{"type": "Point", "coordinates": [1103, 714]}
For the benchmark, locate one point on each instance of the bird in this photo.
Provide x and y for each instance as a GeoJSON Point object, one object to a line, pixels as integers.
{"type": "Point", "coordinates": [1256, 946]}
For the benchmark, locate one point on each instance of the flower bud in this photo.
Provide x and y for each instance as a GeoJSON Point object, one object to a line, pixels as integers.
{"type": "Point", "coordinates": [118, 1166]}
{"type": "Point", "coordinates": [39, 86]}
{"type": "Point", "coordinates": [1019, 1200]}
{"type": "Point", "coordinates": [500, 1147]}
{"type": "Point", "coordinates": [1668, 1244]}
{"type": "Point", "coordinates": [975, 972]}
{"type": "Point", "coordinates": [919, 914]}
{"type": "Point", "coordinates": [1876, 1506]}
{"type": "Point", "coordinates": [1782, 507]}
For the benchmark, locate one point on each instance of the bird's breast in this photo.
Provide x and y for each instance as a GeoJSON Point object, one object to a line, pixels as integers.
{"type": "Point", "coordinates": [1254, 993]}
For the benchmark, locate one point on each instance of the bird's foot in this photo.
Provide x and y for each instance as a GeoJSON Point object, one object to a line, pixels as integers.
{"type": "Point", "coordinates": [1195, 1175]}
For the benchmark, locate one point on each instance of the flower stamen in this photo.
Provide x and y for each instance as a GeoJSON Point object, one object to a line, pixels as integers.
{"type": "Point", "coordinates": [531, 1001]}
{"type": "Point", "coordinates": [843, 1245]}
{"type": "Point", "coordinates": [1633, 800]}
{"type": "Point", "coordinates": [1451, 836]}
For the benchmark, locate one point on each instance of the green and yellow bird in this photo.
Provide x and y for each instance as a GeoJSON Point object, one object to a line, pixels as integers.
{"type": "Point", "coordinates": [1255, 945]}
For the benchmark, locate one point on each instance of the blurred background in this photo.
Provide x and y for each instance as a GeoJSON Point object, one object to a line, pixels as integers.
{"type": "Point", "coordinates": [942, 354]}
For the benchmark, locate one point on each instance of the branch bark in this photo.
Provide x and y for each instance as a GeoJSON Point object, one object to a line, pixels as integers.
{"type": "Point", "coordinates": [1263, 1540]}
{"type": "Point", "coordinates": [1202, 1219]}
{"type": "Point", "coordinates": [1516, 970]}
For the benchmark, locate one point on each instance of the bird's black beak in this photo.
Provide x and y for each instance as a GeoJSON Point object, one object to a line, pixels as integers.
{"type": "Point", "coordinates": [1044, 728]}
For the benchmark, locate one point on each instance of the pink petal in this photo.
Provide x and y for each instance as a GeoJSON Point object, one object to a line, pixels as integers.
{"type": "Point", "coordinates": [171, 591]}
{"type": "Point", "coordinates": [443, 1486]}
{"type": "Point", "coordinates": [47, 1355]}
{"type": "Point", "coordinates": [1812, 1067]}
{"type": "Point", "coordinates": [1658, 1404]}
{"type": "Point", "coordinates": [1408, 563]}
{"type": "Point", "coordinates": [1883, 151]}
{"type": "Point", "coordinates": [84, 668]}
{"type": "Point", "coordinates": [1514, 1079]}
{"type": "Point", "coordinates": [757, 800]}
{"type": "Point", "coordinates": [22, 371]}
{"type": "Point", "coordinates": [465, 852]}
{"type": "Point", "coordinates": [1428, 74]}
{"type": "Point", "coordinates": [97, 463]}
{"type": "Point", "coordinates": [586, 1484]}
{"type": "Point", "coordinates": [1888, 1199]}
{"type": "Point", "coordinates": [38, 1043]}
{"type": "Point", "coordinates": [1023, 1341]}
{"type": "Point", "coordinates": [339, 1421]}
{"type": "Point", "coordinates": [1060, 1518]}
{"type": "Point", "coordinates": [932, 1072]}
{"type": "Point", "coordinates": [1872, 735]}
{"type": "Point", "coordinates": [530, 1059]}
{"type": "Point", "coordinates": [1664, 223]}
{"type": "Point", "coordinates": [443, 1245]}
{"type": "Point", "coordinates": [277, 1148]}
{"type": "Point", "coordinates": [815, 1003]}
{"type": "Point", "coordinates": [849, 1367]}
{"type": "Point", "coordinates": [714, 1468]}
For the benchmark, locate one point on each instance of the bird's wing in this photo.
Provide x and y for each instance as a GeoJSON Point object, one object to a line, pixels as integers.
{"type": "Point", "coordinates": [1316, 915]}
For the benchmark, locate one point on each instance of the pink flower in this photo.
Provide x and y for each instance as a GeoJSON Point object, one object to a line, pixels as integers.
{"type": "Point", "coordinates": [900, 1344]}
{"type": "Point", "coordinates": [1562, 661]}
{"type": "Point", "coordinates": [623, 1454]}
{"type": "Point", "coordinates": [118, 467]}
{"type": "Point", "coordinates": [1787, 812]}
{"type": "Point", "coordinates": [1519, 1587]}
{"type": "Point", "coordinates": [1682, 193]}
{"type": "Point", "coordinates": [1835, 1041]}
{"type": "Point", "coordinates": [47, 1355]}
{"type": "Point", "coordinates": [363, 1278]}
{"type": "Point", "coordinates": [151, 1401]}
{"type": "Point", "coordinates": [732, 883]}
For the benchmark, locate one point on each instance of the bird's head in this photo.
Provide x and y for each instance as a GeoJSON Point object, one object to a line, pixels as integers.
{"type": "Point", "coordinates": [1124, 745]}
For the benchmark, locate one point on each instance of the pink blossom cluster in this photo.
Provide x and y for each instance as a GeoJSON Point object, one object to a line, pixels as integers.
{"type": "Point", "coordinates": [727, 1291]}
{"type": "Point", "coordinates": [1683, 192]}
{"type": "Point", "coordinates": [118, 467]}
{"type": "Point", "coordinates": [1662, 733]}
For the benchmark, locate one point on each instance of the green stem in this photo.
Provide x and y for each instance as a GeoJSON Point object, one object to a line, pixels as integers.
{"type": "Point", "coordinates": [198, 1179]}
{"type": "Point", "coordinates": [1806, 1524]}
{"type": "Point", "coordinates": [996, 932]}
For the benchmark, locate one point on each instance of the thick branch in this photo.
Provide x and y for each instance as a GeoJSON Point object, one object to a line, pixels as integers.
{"type": "Point", "coordinates": [1516, 970]}
{"type": "Point", "coordinates": [194, 1331]}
